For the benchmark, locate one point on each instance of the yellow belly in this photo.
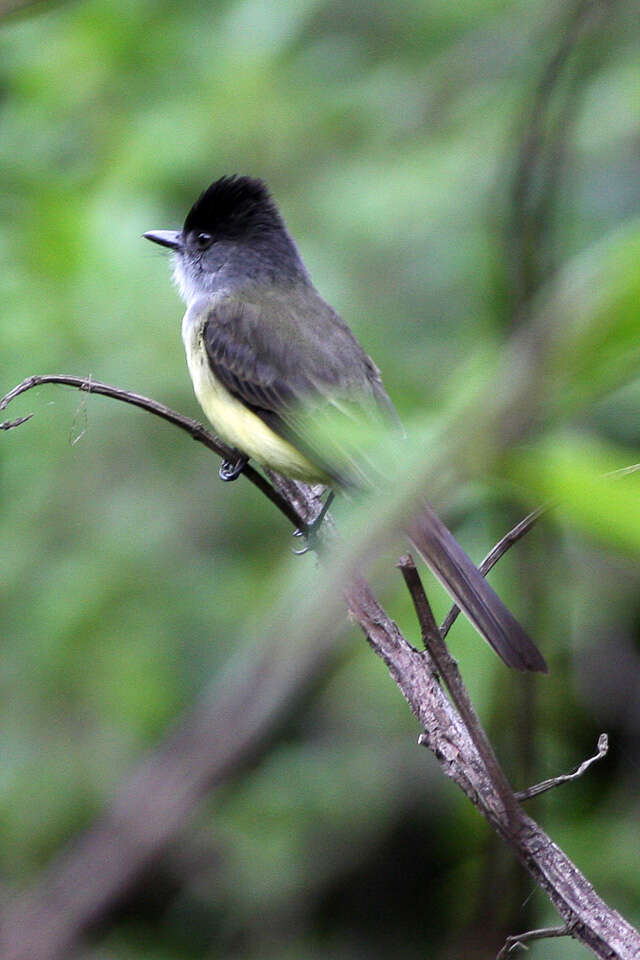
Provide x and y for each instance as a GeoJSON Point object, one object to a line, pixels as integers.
{"type": "Point", "coordinates": [239, 427]}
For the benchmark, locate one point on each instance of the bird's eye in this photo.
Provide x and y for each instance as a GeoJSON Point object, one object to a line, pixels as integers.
{"type": "Point", "coordinates": [203, 240]}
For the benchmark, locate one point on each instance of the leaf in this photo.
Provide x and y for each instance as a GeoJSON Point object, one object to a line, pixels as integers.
{"type": "Point", "coordinates": [595, 306]}
{"type": "Point", "coordinates": [576, 470]}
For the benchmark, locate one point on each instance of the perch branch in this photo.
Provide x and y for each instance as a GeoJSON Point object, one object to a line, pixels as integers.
{"type": "Point", "coordinates": [591, 921]}
{"type": "Point", "coordinates": [448, 669]}
{"type": "Point", "coordinates": [192, 427]}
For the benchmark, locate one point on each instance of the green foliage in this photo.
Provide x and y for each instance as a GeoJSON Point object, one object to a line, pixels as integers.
{"type": "Point", "coordinates": [129, 575]}
{"type": "Point", "coordinates": [597, 345]}
{"type": "Point", "coordinates": [577, 471]}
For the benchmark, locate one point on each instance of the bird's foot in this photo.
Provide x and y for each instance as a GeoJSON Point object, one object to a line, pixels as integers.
{"type": "Point", "coordinates": [310, 531]}
{"type": "Point", "coordinates": [310, 540]}
{"type": "Point", "coordinates": [231, 469]}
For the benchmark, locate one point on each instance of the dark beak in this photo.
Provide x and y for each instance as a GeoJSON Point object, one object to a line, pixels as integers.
{"type": "Point", "coordinates": [166, 238]}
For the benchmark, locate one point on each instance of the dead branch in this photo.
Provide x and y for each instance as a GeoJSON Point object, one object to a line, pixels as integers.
{"type": "Point", "coordinates": [10, 424]}
{"type": "Point", "coordinates": [591, 921]}
{"type": "Point", "coordinates": [448, 669]}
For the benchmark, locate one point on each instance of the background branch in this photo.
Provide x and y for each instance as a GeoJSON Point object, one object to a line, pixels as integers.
{"type": "Point", "coordinates": [539, 166]}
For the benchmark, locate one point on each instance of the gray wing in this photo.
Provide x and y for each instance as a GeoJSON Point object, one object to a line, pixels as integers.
{"type": "Point", "coordinates": [290, 372]}
{"type": "Point", "coordinates": [294, 362]}
{"type": "Point", "coordinates": [472, 593]}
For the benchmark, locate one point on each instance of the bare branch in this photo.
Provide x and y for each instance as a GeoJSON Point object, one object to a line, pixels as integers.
{"type": "Point", "coordinates": [624, 471]}
{"type": "Point", "coordinates": [516, 533]}
{"type": "Point", "coordinates": [192, 427]}
{"type": "Point", "coordinates": [10, 424]}
{"type": "Point", "coordinates": [603, 749]}
{"type": "Point", "coordinates": [450, 673]}
{"type": "Point", "coordinates": [591, 921]}
{"type": "Point", "coordinates": [520, 939]}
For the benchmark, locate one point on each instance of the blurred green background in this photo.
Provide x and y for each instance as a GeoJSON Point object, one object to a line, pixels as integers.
{"type": "Point", "coordinates": [455, 174]}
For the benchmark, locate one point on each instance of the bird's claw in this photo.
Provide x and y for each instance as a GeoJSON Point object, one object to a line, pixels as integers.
{"type": "Point", "coordinates": [310, 531]}
{"type": "Point", "coordinates": [231, 469]}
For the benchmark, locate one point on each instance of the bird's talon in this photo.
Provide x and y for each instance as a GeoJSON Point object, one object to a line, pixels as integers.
{"type": "Point", "coordinates": [231, 469]}
{"type": "Point", "coordinates": [310, 531]}
{"type": "Point", "coordinates": [302, 551]}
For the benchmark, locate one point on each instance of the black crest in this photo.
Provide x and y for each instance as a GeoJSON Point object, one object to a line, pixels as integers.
{"type": "Point", "coordinates": [233, 207]}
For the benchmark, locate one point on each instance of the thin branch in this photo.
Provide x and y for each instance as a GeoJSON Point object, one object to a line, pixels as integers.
{"type": "Point", "coordinates": [448, 669]}
{"type": "Point", "coordinates": [520, 939]}
{"type": "Point", "coordinates": [10, 424]}
{"type": "Point", "coordinates": [603, 748]}
{"type": "Point", "coordinates": [495, 554]}
{"type": "Point", "coordinates": [624, 471]}
{"type": "Point", "coordinates": [192, 427]}
{"type": "Point", "coordinates": [516, 533]}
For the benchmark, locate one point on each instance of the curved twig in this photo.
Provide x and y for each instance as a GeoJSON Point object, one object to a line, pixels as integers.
{"type": "Point", "coordinates": [192, 427]}
{"type": "Point", "coordinates": [535, 791]}
{"type": "Point", "coordinates": [501, 547]}
{"type": "Point", "coordinates": [10, 424]}
{"type": "Point", "coordinates": [544, 933]}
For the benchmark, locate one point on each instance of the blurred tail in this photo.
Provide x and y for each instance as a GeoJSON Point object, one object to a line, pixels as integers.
{"type": "Point", "coordinates": [477, 600]}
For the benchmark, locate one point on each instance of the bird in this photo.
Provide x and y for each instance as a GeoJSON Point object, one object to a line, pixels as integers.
{"type": "Point", "coordinates": [276, 369]}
